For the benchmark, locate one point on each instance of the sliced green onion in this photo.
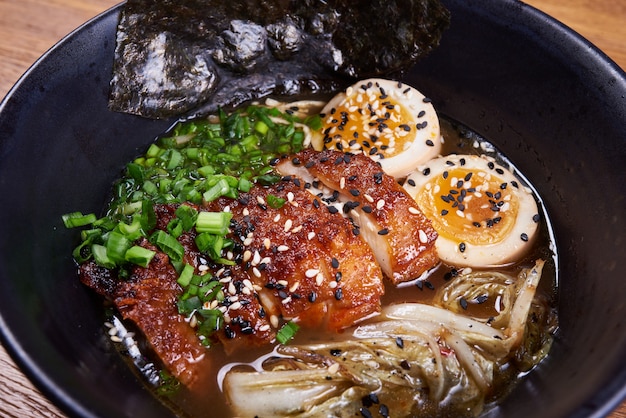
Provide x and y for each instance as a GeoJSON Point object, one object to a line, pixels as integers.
{"type": "Point", "coordinates": [287, 332]}
{"type": "Point", "coordinates": [117, 244]}
{"type": "Point", "coordinates": [168, 244]}
{"type": "Point", "coordinates": [77, 219]}
{"type": "Point", "coordinates": [101, 257]}
{"type": "Point", "coordinates": [213, 222]}
{"type": "Point", "coordinates": [185, 275]}
{"type": "Point", "coordinates": [275, 202]}
{"type": "Point", "coordinates": [187, 216]}
{"type": "Point", "coordinates": [139, 255]}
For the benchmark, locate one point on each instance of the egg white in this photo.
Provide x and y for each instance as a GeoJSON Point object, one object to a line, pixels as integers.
{"type": "Point", "coordinates": [495, 221]}
{"type": "Point", "coordinates": [398, 113]}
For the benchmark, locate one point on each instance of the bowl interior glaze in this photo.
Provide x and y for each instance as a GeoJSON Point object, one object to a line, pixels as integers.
{"type": "Point", "coordinates": [548, 99]}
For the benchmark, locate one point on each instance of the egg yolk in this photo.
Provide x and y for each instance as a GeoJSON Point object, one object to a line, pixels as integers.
{"type": "Point", "coordinates": [369, 121]}
{"type": "Point", "coordinates": [472, 206]}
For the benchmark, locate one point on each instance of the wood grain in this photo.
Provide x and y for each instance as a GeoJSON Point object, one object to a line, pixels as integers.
{"type": "Point", "coordinates": [30, 27]}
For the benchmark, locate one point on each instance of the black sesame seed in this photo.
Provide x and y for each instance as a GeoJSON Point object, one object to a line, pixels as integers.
{"type": "Point", "coordinates": [282, 294]}
{"type": "Point", "coordinates": [365, 413]}
{"type": "Point", "coordinates": [524, 237]}
{"type": "Point", "coordinates": [419, 284]}
{"type": "Point", "coordinates": [468, 176]}
{"type": "Point", "coordinates": [536, 217]}
{"type": "Point", "coordinates": [312, 297]}
{"type": "Point", "coordinates": [261, 312]}
{"type": "Point", "coordinates": [335, 352]}
{"type": "Point", "coordinates": [338, 276]}
{"type": "Point", "coordinates": [421, 114]}
{"type": "Point", "coordinates": [355, 192]}
{"type": "Point", "coordinates": [481, 299]}
{"type": "Point", "coordinates": [296, 161]}
{"type": "Point", "coordinates": [430, 143]}
{"type": "Point", "coordinates": [514, 184]}
{"type": "Point", "coordinates": [463, 303]}
{"type": "Point", "coordinates": [367, 209]}
{"type": "Point", "coordinates": [332, 209]}
{"type": "Point", "coordinates": [426, 100]}
{"type": "Point", "coordinates": [444, 212]}
{"type": "Point", "coordinates": [503, 186]}
{"type": "Point", "coordinates": [462, 247]}
{"type": "Point", "coordinates": [338, 294]}
{"type": "Point", "coordinates": [411, 182]}
{"type": "Point", "coordinates": [383, 231]}
{"type": "Point", "coordinates": [400, 342]}
{"type": "Point", "coordinates": [499, 171]}
{"type": "Point", "coordinates": [445, 174]}
{"type": "Point", "coordinates": [491, 165]}
{"type": "Point", "coordinates": [426, 171]}
{"type": "Point", "coordinates": [383, 410]}
{"type": "Point", "coordinates": [230, 334]}
{"type": "Point", "coordinates": [334, 262]}
{"type": "Point", "coordinates": [429, 285]}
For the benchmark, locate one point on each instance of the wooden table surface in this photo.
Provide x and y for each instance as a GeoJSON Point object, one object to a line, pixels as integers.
{"type": "Point", "coordinates": [29, 27]}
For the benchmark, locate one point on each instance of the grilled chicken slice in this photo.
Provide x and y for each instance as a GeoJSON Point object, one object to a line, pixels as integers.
{"type": "Point", "coordinates": [305, 262]}
{"type": "Point", "coordinates": [401, 237]}
{"type": "Point", "coordinates": [148, 298]}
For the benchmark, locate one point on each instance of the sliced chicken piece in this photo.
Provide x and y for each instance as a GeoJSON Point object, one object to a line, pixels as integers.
{"type": "Point", "coordinates": [305, 262]}
{"type": "Point", "coordinates": [401, 237]}
{"type": "Point", "coordinates": [148, 298]}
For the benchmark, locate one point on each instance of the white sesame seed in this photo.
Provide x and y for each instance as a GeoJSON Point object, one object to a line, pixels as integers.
{"type": "Point", "coordinates": [282, 282]}
{"type": "Point", "coordinates": [246, 291]}
{"type": "Point", "coordinates": [266, 260]}
{"type": "Point", "coordinates": [460, 214]}
{"type": "Point", "coordinates": [260, 200]}
{"type": "Point", "coordinates": [203, 268]}
{"type": "Point", "coordinates": [256, 258]}
{"type": "Point", "coordinates": [235, 306]}
{"type": "Point", "coordinates": [247, 255]}
{"type": "Point", "coordinates": [413, 210]}
{"type": "Point", "coordinates": [256, 272]}
{"type": "Point", "coordinates": [296, 229]}
{"type": "Point", "coordinates": [290, 197]}
{"type": "Point", "coordinates": [246, 212]}
{"type": "Point", "coordinates": [113, 331]}
{"type": "Point", "coordinates": [310, 273]}
{"type": "Point", "coordinates": [116, 339]}
{"type": "Point", "coordinates": [225, 280]}
{"type": "Point", "coordinates": [231, 288]}
{"type": "Point", "coordinates": [334, 368]}
{"type": "Point", "coordinates": [288, 225]}
{"type": "Point", "coordinates": [332, 284]}
{"type": "Point", "coordinates": [311, 235]}
{"type": "Point", "coordinates": [368, 198]}
{"type": "Point", "coordinates": [423, 236]}
{"type": "Point", "coordinates": [264, 327]}
{"type": "Point", "coordinates": [193, 322]}
{"type": "Point", "coordinates": [267, 243]}
{"type": "Point", "coordinates": [380, 204]}
{"type": "Point", "coordinates": [247, 241]}
{"type": "Point", "coordinates": [286, 300]}
{"type": "Point", "coordinates": [342, 183]}
{"type": "Point", "coordinates": [282, 248]}
{"type": "Point", "coordinates": [319, 279]}
{"type": "Point", "coordinates": [274, 321]}
{"type": "Point", "coordinates": [277, 217]}
{"type": "Point", "coordinates": [294, 287]}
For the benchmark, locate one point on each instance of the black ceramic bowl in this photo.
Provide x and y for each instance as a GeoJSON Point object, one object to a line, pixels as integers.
{"type": "Point", "coordinates": [548, 99]}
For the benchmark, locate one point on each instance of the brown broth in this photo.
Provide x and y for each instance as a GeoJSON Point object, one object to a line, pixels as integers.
{"type": "Point", "coordinates": [210, 400]}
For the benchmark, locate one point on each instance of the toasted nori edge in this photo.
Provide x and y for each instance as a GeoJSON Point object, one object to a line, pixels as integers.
{"type": "Point", "coordinates": [174, 56]}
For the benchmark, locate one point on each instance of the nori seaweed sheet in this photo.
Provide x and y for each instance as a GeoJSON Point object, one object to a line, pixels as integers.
{"type": "Point", "coordinates": [177, 57]}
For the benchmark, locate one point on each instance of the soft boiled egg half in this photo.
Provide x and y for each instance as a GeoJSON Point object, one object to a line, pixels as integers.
{"type": "Point", "coordinates": [389, 121]}
{"type": "Point", "coordinates": [483, 215]}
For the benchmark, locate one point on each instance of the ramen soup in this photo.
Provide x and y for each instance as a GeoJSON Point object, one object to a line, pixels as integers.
{"type": "Point", "coordinates": [356, 257]}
